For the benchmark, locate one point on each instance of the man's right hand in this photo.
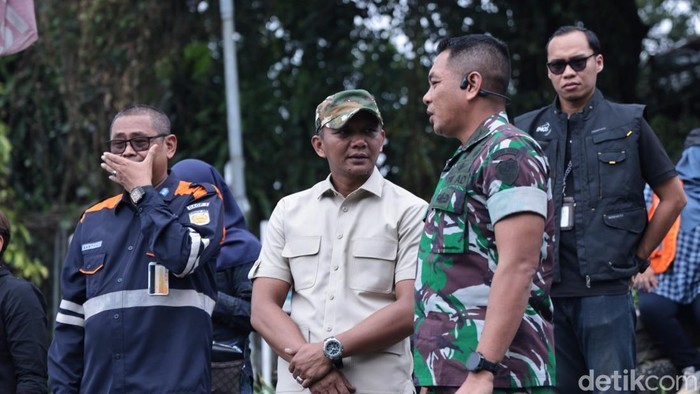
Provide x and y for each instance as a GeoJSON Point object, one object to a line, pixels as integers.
{"type": "Point", "coordinates": [333, 382]}
{"type": "Point", "coordinates": [309, 362]}
{"type": "Point", "coordinates": [646, 280]}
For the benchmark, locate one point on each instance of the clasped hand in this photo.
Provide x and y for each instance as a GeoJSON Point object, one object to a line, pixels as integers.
{"type": "Point", "coordinates": [316, 371]}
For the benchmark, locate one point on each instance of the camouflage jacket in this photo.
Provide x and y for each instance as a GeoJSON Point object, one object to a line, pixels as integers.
{"type": "Point", "coordinates": [499, 171]}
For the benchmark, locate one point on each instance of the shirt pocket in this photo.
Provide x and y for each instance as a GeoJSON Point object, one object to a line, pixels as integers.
{"type": "Point", "coordinates": [92, 269]}
{"type": "Point", "coordinates": [303, 255]}
{"type": "Point", "coordinates": [445, 223]}
{"type": "Point", "coordinates": [373, 265]}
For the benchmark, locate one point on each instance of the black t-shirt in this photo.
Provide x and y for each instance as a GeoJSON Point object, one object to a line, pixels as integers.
{"type": "Point", "coordinates": [656, 168]}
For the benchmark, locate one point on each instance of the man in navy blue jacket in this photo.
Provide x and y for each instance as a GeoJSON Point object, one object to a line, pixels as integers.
{"type": "Point", "coordinates": [138, 281]}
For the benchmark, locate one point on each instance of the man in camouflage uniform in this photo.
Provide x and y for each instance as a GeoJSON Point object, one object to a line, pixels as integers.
{"type": "Point", "coordinates": [482, 306]}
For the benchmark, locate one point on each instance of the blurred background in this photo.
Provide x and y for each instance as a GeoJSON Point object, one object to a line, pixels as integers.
{"type": "Point", "coordinates": [94, 57]}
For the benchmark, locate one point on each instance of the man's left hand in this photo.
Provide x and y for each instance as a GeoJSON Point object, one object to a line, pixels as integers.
{"type": "Point", "coordinates": [309, 363]}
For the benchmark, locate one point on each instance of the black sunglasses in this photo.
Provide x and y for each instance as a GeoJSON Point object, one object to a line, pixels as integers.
{"type": "Point", "coordinates": [577, 64]}
{"type": "Point", "coordinates": [138, 144]}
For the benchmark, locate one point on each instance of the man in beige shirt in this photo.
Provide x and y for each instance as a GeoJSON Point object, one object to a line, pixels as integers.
{"type": "Point", "coordinates": [347, 249]}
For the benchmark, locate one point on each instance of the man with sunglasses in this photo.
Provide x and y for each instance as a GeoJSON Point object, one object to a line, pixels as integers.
{"type": "Point", "coordinates": [138, 280]}
{"type": "Point", "coordinates": [601, 154]}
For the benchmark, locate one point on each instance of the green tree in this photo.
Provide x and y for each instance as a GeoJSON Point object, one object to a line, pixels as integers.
{"type": "Point", "coordinates": [94, 57]}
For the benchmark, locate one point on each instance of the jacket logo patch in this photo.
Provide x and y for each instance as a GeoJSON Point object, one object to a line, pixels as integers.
{"type": "Point", "coordinates": [199, 218]}
{"type": "Point", "coordinates": [90, 246]}
{"type": "Point", "coordinates": [544, 129]}
{"type": "Point", "coordinates": [507, 171]}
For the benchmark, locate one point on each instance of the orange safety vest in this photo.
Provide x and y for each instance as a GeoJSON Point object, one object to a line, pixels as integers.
{"type": "Point", "coordinates": [662, 257]}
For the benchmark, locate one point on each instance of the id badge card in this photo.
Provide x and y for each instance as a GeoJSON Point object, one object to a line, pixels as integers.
{"type": "Point", "coordinates": [157, 279]}
{"type": "Point", "coordinates": [567, 214]}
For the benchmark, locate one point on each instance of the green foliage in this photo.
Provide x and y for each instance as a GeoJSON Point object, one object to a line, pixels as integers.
{"type": "Point", "coordinates": [16, 255]}
{"type": "Point", "coordinates": [95, 57]}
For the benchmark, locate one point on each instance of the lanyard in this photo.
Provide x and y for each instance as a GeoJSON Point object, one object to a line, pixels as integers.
{"type": "Point", "coordinates": [566, 175]}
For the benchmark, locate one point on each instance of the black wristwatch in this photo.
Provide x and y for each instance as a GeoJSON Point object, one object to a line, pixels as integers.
{"type": "Point", "coordinates": [333, 349]}
{"type": "Point", "coordinates": [642, 264]}
{"type": "Point", "coordinates": [476, 362]}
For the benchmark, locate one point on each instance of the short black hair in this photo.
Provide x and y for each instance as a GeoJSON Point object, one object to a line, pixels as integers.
{"type": "Point", "coordinates": [159, 119]}
{"type": "Point", "coordinates": [592, 38]}
{"type": "Point", "coordinates": [4, 233]}
{"type": "Point", "coordinates": [482, 53]}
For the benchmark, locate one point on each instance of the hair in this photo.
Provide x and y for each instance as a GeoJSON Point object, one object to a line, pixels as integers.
{"type": "Point", "coordinates": [482, 53]}
{"type": "Point", "coordinates": [159, 119]}
{"type": "Point", "coordinates": [4, 233]}
{"type": "Point", "coordinates": [592, 38]}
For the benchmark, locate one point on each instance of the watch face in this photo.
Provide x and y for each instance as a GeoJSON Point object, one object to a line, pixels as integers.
{"type": "Point", "coordinates": [333, 348]}
{"type": "Point", "coordinates": [136, 194]}
{"type": "Point", "coordinates": [474, 362]}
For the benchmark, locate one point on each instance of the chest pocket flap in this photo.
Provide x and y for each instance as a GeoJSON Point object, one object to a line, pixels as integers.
{"type": "Point", "coordinates": [303, 255]}
{"type": "Point", "coordinates": [373, 265]}
{"type": "Point", "coordinates": [445, 222]}
{"type": "Point", "coordinates": [449, 199]}
{"type": "Point", "coordinates": [301, 246]}
{"type": "Point", "coordinates": [612, 158]}
{"type": "Point", "coordinates": [92, 265]}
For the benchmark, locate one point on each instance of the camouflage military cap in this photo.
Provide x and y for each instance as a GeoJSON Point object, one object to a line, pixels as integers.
{"type": "Point", "coordinates": [337, 109]}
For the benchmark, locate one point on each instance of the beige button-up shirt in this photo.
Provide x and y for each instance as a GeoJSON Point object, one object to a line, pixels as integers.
{"type": "Point", "coordinates": [342, 257]}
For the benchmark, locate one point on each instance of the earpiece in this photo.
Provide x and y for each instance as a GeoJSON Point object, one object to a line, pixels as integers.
{"type": "Point", "coordinates": [482, 92]}
{"type": "Point", "coordinates": [464, 83]}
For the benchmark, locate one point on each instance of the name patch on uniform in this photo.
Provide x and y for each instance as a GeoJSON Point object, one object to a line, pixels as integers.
{"type": "Point", "coordinates": [199, 218]}
{"type": "Point", "coordinates": [197, 205]}
{"type": "Point", "coordinates": [90, 246]}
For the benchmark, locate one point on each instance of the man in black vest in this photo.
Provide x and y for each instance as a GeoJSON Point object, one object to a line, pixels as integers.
{"type": "Point", "coordinates": [601, 154]}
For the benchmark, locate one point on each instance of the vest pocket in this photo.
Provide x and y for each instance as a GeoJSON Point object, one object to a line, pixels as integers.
{"type": "Point", "coordinates": [612, 174]}
{"type": "Point", "coordinates": [622, 223]}
{"type": "Point", "coordinates": [303, 255]}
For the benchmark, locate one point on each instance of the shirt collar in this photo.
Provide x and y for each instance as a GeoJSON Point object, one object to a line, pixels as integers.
{"type": "Point", "coordinates": [372, 185]}
{"type": "Point", "coordinates": [488, 126]}
{"type": "Point", "coordinates": [590, 106]}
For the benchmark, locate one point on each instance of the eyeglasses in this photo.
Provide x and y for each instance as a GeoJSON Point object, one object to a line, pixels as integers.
{"type": "Point", "coordinates": [557, 67]}
{"type": "Point", "coordinates": [138, 144]}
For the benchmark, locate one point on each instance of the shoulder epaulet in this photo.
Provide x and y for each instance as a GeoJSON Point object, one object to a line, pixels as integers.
{"type": "Point", "coordinates": [196, 189]}
{"type": "Point", "coordinates": [104, 204]}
